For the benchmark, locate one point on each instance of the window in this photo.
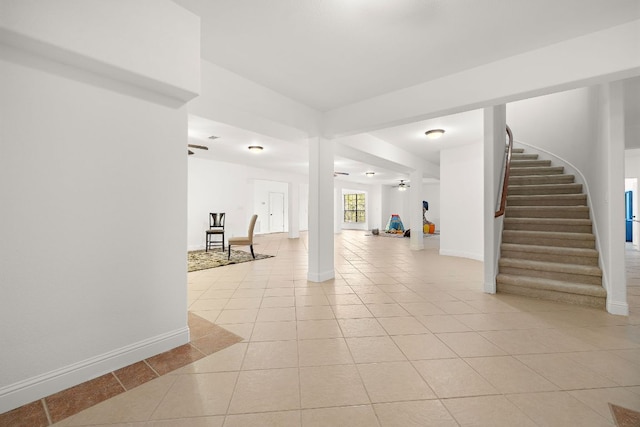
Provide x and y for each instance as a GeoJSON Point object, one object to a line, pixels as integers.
{"type": "Point", "coordinates": [354, 207]}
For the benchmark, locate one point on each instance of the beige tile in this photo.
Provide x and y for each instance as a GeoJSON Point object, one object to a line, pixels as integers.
{"type": "Point", "coordinates": [268, 390]}
{"type": "Point", "coordinates": [453, 378]}
{"type": "Point", "coordinates": [469, 344]}
{"type": "Point", "coordinates": [197, 395]}
{"type": "Point", "coordinates": [209, 304]}
{"type": "Point", "coordinates": [237, 303]}
{"type": "Point", "coordinates": [271, 302]}
{"type": "Point", "coordinates": [607, 364]}
{"type": "Point", "coordinates": [279, 292]}
{"type": "Point", "coordinates": [274, 331]}
{"type": "Point", "coordinates": [402, 326]}
{"type": "Point", "coordinates": [347, 416]}
{"type": "Point", "coordinates": [421, 308]}
{"type": "Point", "coordinates": [387, 310]}
{"type": "Point", "coordinates": [356, 311]}
{"type": "Point", "coordinates": [134, 405]}
{"type": "Point", "coordinates": [632, 355]}
{"type": "Point", "coordinates": [346, 299]}
{"type": "Point", "coordinates": [249, 293]}
{"type": "Point", "coordinates": [264, 419]}
{"type": "Point", "coordinates": [489, 411]}
{"type": "Point", "coordinates": [377, 298]}
{"type": "Point", "coordinates": [319, 352]}
{"type": "Point", "coordinates": [243, 330]}
{"type": "Point", "coordinates": [312, 329]}
{"type": "Point", "coordinates": [226, 360]}
{"type": "Point", "coordinates": [424, 346]}
{"type": "Point", "coordinates": [444, 323]}
{"type": "Point", "coordinates": [311, 300]}
{"type": "Point", "coordinates": [425, 413]}
{"type": "Point", "coordinates": [393, 382]}
{"type": "Point", "coordinates": [237, 316]}
{"type": "Point", "coordinates": [366, 327]}
{"type": "Point", "coordinates": [564, 372]}
{"type": "Point", "coordinates": [374, 349]}
{"type": "Point", "coordinates": [557, 409]}
{"type": "Point", "coordinates": [455, 307]}
{"type": "Point", "coordinates": [518, 342]}
{"type": "Point", "coordinates": [276, 314]}
{"type": "Point", "coordinates": [320, 312]}
{"type": "Point", "coordinates": [598, 399]}
{"type": "Point", "coordinates": [216, 421]}
{"type": "Point", "coordinates": [324, 386]}
{"type": "Point", "coordinates": [270, 355]}
{"type": "Point", "coordinates": [509, 375]}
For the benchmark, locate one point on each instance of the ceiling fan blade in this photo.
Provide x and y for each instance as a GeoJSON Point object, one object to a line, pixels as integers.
{"type": "Point", "coordinates": [340, 173]}
{"type": "Point", "coordinates": [200, 147]}
{"type": "Point", "coordinates": [190, 152]}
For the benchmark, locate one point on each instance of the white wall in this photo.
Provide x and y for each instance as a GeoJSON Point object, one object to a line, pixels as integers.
{"type": "Point", "coordinates": [632, 173]}
{"type": "Point", "coordinates": [93, 182]}
{"type": "Point", "coordinates": [228, 187]}
{"type": "Point", "coordinates": [462, 201]}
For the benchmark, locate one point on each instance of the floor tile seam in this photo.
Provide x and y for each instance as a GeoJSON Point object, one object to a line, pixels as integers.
{"type": "Point", "coordinates": [560, 387]}
{"type": "Point", "coordinates": [164, 396]}
{"type": "Point", "coordinates": [45, 408]}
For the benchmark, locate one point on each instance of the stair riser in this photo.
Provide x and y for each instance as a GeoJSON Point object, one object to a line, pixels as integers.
{"type": "Point", "coordinates": [546, 189]}
{"type": "Point", "coordinates": [551, 170]}
{"type": "Point", "coordinates": [579, 212]}
{"type": "Point", "coordinates": [542, 241]}
{"type": "Point", "coordinates": [541, 179]}
{"type": "Point", "coordinates": [553, 275]}
{"type": "Point", "coordinates": [583, 300]}
{"type": "Point", "coordinates": [535, 256]}
{"type": "Point", "coordinates": [568, 200]}
{"type": "Point", "coordinates": [559, 228]}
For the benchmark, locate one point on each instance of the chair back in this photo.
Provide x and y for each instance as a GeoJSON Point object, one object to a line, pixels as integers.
{"type": "Point", "coordinates": [216, 220]}
{"type": "Point", "coordinates": [252, 225]}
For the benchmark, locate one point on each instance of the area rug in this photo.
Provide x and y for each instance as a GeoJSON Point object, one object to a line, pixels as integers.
{"type": "Point", "coordinates": [201, 260]}
{"type": "Point", "coordinates": [624, 417]}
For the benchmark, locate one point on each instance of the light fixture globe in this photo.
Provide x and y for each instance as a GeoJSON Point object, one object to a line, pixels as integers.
{"type": "Point", "coordinates": [255, 148]}
{"type": "Point", "coordinates": [434, 133]}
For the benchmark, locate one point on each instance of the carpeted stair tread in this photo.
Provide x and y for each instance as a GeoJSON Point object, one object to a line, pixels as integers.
{"type": "Point", "coordinates": [549, 221]}
{"type": "Point", "coordinates": [567, 255]}
{"type": "Point", "coordinates": [552, 285]}
{"type": "Point", "coordinates": [585, 270]}
{"type": "Point", "coordinates": [548, 212]}
{"type": "Point", "coordinates": [547, 200]}
{"type": "Point", "coordinates": [515, 150]}
{"type": "Point", "coordinates": [541, 179]}
{"type": "Point", "coordinates": [529, 163]}
{"type": "Point", "coordinates": [542, 170]}
{"type": "Point", "coordinates": [549, 238]}
{"type": "Point", "coordinates": [545, 189]}
{"type": "Point", "coordinates": [523, 156]}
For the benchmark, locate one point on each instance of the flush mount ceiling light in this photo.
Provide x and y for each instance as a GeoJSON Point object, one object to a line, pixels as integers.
{"type": "Point", "coordinates": [255, 148]}
{"type": "Point", "coordinates": [434, 133]}
{"type": "Point", "coordinates": [369, 174]}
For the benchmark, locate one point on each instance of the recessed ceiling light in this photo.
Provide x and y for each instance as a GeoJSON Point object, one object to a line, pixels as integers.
{"type": "Point", "coordinates": [255, 148]}
{"type": "Point", "coordinates": [369, 174]}
{"type": "Point", "coordinates": [434, 133]}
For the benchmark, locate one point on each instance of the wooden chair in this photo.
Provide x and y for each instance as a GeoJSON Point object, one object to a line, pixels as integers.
{"type": "Point", "coordinates": [216, 228]}
{"type": "Point", "coordinates": [244, 240]}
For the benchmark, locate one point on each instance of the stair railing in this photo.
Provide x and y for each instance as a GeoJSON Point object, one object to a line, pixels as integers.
{"type": "Point", "coordinates": [505, 174]}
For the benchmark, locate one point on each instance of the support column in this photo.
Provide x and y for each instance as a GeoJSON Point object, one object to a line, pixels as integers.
{"type": "Point", "coordinates": [321, 211]}
{"type": "Point", "coordinates": [614, 144]}
{"type": "Point", "coordinates": [338, 213]}
{"type": "Point", "coordinates": [294, 210]}
{"type": "Point", "coordinates": [415, 211]}
{"type": "Point", "coordinates": [494, 143]}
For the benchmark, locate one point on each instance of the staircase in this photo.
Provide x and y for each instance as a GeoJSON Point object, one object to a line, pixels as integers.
{"type": "Point", "coordinates": [548, 248]}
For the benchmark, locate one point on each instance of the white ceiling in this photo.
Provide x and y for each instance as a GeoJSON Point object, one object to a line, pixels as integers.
{"type": "Point", "coordinates": [329, 53]}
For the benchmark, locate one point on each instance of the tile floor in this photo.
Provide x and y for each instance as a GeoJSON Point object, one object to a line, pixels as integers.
{"type": "Point", "coordinates": [399, 338]}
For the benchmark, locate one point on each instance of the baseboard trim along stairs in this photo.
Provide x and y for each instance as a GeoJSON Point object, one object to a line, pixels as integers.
{"type": "Point", "coordinates": [548, 248]}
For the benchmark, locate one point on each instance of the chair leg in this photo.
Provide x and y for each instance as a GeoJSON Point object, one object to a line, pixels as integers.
{"type": "Point", "coordinates": [206, 242]}
{"type": "Point", "coordinates": [229, 257]}
{"type": "Point", "coordinates": [252, 254]}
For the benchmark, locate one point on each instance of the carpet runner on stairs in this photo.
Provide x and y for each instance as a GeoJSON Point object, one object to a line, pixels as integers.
{"type": "Point", "coordinates": [548, 247]}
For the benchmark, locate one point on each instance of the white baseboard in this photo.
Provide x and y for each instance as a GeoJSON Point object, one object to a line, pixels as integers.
{"type": "Point", "coordinates": [34, 388]}
{"type": "Point", "coordinates": [462, 254]}
{"type": "Point", "coordinates": [618, 308]}
{"type": "Point", "coordinates": [321, 277]}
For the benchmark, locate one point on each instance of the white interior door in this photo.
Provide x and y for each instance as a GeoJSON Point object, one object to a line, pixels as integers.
{"type": "Point", "coordinates": [276, 212]}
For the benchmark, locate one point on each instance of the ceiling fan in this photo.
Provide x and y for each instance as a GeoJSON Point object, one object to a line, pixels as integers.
{"type": "Point", "coordinates": [199, 147]}
{"type": "Point", "coordinates": [403, 185]}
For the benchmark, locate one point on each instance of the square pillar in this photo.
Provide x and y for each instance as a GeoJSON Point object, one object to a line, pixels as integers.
{"type": "Point", "coordinates": [415, 211]}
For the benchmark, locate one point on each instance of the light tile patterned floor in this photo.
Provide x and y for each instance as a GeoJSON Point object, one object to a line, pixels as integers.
{"type": "Point", "coordinates": [399, 338]}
